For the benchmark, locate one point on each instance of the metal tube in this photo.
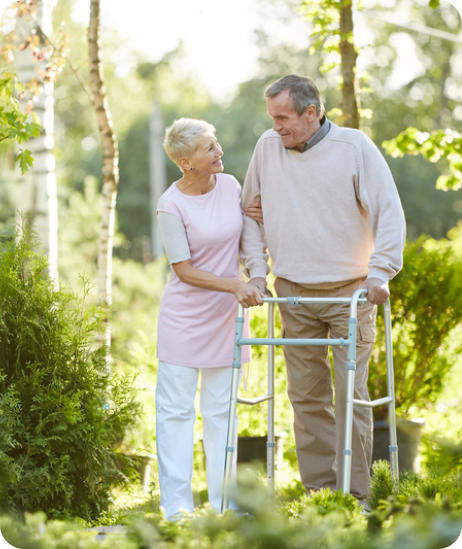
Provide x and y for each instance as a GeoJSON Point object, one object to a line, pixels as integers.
{"type": "Point", "coordinates": [351, 367]}
{"type": "Point", "coordinates": [291, 341]}
{"type": "Point", "coordinates": [232, 435]}
{"type": "Point", "coordinates": [301, 300]}
{"type": "Point", "coordinates": [393, 447]}
{"type": "Point", "coordinates": [372, 403]}
{"type": "Point", "coordinates": [255, 400]}
{"type": "Point", "coordinates": [270, 441]}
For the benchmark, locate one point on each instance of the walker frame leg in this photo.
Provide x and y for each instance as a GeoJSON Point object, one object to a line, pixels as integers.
{"type": "Point", "coordinates": [271, 440]}
{"type": "Point", "coordinates": [350, 400]}
{"type": "Point", "coordinates": [231, 438]}
{"type": "Point", "coordinates": [393, 439]}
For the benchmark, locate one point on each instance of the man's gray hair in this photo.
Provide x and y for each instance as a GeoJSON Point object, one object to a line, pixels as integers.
{"type": "Point", "coordinates": [181, 137]}
{"type": "Point", "coordinates": [303, 92]}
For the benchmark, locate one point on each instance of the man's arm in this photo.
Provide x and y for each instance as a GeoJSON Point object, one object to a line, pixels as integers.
{"type": "Point", "coordinates": [379, 196]}
{"type": "Point", "coordinates": [253, 243]}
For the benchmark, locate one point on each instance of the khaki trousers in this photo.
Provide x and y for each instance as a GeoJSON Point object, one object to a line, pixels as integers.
{"type": "Point", "coordinates": [319, 426]}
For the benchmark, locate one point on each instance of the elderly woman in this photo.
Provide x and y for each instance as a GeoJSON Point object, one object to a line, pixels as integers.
{"type": "Point", "coordinates": [200, 220]}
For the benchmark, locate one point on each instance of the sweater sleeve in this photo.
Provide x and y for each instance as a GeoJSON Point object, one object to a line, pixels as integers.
{"type": "Point", "coordinates": [253, 243]}
{"type": "Point", "coordinates": [379, 197]}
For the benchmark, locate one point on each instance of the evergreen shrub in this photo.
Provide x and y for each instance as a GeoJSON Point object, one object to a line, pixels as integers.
{"type": "Point", "coordinates": [62, 412]}
{"type": "Point", "coordinates": [426, 305]}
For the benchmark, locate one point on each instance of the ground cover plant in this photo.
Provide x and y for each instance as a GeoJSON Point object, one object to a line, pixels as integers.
{"type": "Point", "coordinates": [424, 513]}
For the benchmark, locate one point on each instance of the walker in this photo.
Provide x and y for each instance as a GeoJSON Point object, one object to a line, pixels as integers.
{"type": "Point", "coordinates": [358, 298]}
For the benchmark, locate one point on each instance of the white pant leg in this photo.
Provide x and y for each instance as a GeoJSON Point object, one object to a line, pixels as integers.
{"type": "Point", "coordinates": [214, 404]}
{"type": "Point", "coordinates": [175, 415]}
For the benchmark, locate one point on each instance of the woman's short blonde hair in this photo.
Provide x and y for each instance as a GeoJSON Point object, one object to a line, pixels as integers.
{"type": "Point", "coordinates": [181, 136]}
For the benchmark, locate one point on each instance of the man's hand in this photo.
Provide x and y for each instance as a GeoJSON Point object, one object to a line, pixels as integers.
{"type": "Point", "coordinates": [259, 282]}
{"type": "Point", "coordinates": [377, 290]}
{"type": "Point", "coordinates": [254, 210]}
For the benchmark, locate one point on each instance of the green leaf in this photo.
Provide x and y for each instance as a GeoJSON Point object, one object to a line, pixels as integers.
{"type": "Point", "coordinates": [25, 160]}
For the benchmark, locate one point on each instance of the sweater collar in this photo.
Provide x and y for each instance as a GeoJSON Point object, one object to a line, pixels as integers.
{"type": "Point", "coordinates": [318, 135]}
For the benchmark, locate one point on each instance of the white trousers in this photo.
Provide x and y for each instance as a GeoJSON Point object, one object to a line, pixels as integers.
{"type": "Point", "coordinates": [175, 415]}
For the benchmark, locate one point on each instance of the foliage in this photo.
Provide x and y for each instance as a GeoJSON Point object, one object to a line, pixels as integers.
{"type": "Point", "coordinates": [427, 100]}
{"type": "Point", "coordinates": [443, 455]}
{"type": "Point", "coordinates": [325, 17]}
{"type": "Point", "coordinates": [47, 54]}
{"type": "Point", "coordinates": [426, 303]}
{"type": "Point", "coordinates": [35, 532]}
{"type": "Point", "coordinates": [433, 146]}
{"type": "Point", "coordinates": [381, 486]}
{"type": "Point", "coordinates": [418, 516]}
{"type": "Point", "coordinates": [62, 413]}
{"type": "Point", "coordinates": [431, 494]}
{"type": "Point", "coordinates": [16, 126]}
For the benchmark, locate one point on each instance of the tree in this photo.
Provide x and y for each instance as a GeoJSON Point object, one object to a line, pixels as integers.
{"type": "Point", "coordinates": [37, 195]}
{"type": "Point", "coordinates": [429, 99]}
{"type": "Point", "coordinates": [110, 174]}
{"type": "Point", "coordinates": [333, 31]}
{"type": "Point", "coordinates": [37, 61]}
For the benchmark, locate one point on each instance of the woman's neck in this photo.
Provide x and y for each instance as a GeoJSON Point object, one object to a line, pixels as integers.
{"type": "Point", "coordinates": [196, 184]}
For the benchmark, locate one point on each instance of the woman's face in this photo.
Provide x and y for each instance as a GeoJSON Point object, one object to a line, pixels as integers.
{"type": "Point", "coordinates": [207, 155]}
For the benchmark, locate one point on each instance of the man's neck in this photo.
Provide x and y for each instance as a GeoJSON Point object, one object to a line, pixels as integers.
{"type": "Point", "coordinates": [309, 141]}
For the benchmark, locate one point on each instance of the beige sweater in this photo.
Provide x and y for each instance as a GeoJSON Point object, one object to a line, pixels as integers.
{"type": "Point", "coordinates": [331, 213]}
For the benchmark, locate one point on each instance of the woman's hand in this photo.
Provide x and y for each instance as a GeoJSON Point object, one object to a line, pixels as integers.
{"type": "Point", "coordinates": [254, 210]}
{"type": "Point", "coordinates": [247, 294]}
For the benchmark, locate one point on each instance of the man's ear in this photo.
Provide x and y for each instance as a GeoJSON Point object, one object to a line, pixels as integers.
{"type": "Point", "coordinates": [310, 113]}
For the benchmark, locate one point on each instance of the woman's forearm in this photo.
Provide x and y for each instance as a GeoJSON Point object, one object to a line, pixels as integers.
{"type": "Point", "coordinates": [203, 279]}
{"type": "Point", "coordinates": [247, 294]}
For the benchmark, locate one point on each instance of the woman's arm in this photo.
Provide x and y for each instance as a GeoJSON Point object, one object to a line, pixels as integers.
{"type": "Point", "coordinates": [254, 210]}
{"type": "Point", "coordinates": [248, 295]}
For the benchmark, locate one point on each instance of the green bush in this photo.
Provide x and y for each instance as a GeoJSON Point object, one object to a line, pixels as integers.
{"type": "Point", "coordinates": [426, 301]}
{"type": "Point", "coordinates": [62, 413]}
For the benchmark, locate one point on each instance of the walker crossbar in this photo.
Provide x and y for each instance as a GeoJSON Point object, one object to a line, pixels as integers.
{"type": "Point", "coordinates": [359, 297]}
{"type": "Point", "coordinates": [288, 341]}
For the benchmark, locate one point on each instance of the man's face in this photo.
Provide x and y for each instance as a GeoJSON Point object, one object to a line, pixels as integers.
{"type": "Point", "coordinates": [293, 128]}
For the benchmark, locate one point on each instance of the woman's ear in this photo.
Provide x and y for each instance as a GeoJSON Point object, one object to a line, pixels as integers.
{"type": "Point", "coordinates": [185, 164]}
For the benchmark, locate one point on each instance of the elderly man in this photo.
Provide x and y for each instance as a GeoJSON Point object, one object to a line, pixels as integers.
{"type": "Point", "coordinates": [332, 223]}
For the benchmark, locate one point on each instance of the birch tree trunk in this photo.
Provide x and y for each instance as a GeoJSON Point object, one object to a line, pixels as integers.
{"type": "Point", "coordinates": [110, 164]}
{"type": "Point", "coordinates": [157, 174]}
{"type": "Point", "coordinates": [37, 189]}
{"type": "Point", "coordinates": [348, 54]}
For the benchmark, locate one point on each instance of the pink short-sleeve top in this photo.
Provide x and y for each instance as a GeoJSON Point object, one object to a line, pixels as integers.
{"type": "Point", "coordinates": [196, 326]}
